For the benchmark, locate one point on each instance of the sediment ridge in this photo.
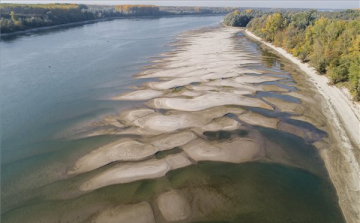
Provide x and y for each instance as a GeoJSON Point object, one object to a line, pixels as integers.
{"type": "Point", "coordinates": [211, 101]}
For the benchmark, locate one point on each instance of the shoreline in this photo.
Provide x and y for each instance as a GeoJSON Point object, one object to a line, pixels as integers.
{"type": "Point", "coordinates": [345, 116]}
{"type": "Point", "coordinates": [57, 26]}
{"type": "Point", "coordinates": [90, 22]}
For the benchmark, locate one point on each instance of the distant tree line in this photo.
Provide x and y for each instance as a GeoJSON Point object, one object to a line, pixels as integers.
{"type": "Point", "coordinates": [19, 17]}
{"type": "Point", "coordinates": [138, 9]}
{"type": "Point", "coordinates": [241, 18]}
{"type": "Point", "coordinates": [187, 10]}
{"type": "Point", "coordinates": [329, 41]}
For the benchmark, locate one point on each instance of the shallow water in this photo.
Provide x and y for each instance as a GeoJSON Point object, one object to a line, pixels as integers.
{"type": "Point", "coordinates": [66, 79]}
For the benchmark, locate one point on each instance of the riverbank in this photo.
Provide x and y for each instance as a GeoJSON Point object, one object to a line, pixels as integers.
{"type": "Point", "coordinates": [58, 26]}
{"type": "Point", "coordinates": [342, 161]}
{"type": "Point", "coordinates": [92, 21]}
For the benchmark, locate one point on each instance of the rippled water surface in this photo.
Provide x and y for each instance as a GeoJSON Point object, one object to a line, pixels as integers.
{"type": "Point", "coordinates": [53, 83]}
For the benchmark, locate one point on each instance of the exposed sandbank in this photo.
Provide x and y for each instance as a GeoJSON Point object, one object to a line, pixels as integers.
{"type": "Point", "coordinates": [235, 151]}
{"type": "Point", "coordinates": [139, 95]}
{"type": "Point", "coordinates": [135, 213]}
{"type": "Point", "coordinates": [206, 101]}
{"type": "Point", "coordinates": [122, 150]}
{"type": "Point", "coordinates": [125, 173]}
{"type": "Point", "coordinates": [199, 106]}
{"type": "Point", "coordinates": [173, 206]}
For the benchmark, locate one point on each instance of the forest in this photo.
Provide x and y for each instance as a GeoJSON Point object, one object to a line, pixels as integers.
{"type": "Point", "coordinates": [241, 18]}
{"type": "Point", "coordinates": [19, 17]}
{"type": "Point", "coordinates": [329, 41]}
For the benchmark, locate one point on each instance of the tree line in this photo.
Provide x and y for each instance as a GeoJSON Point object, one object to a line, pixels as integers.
{"type": "Point", "coordinates": [138, 9]}
{"type": "Point", "coordinates": [19, 17]}
{"type": "Point", "coordinates": [241, 18]}
{"type": "Point", "coordinates": [329, 41]}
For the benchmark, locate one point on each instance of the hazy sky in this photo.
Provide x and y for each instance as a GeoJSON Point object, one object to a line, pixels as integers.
{"type": "Point", "coordinates": [328, 4]}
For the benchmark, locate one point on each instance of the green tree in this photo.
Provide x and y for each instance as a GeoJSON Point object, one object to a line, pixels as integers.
{"type": "Point", "coordinates": [302, 20]}
{"type": "Point", "coordinates": [274, 23]}
{"type": "Point", "coordinates": [238, 18]}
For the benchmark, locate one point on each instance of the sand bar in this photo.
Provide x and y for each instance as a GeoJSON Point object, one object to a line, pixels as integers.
{"type": "Point", "coordinates": [235, 151]}
{"type": "Point", "coordinates": [173, 140]}
{"type": "Point", "coordinates": [206, 101]}
{"type": "Point", "coordinates": [257, 119]}
{"type": "Point", "coordinates": [121, 150]}
{"type": "Point", "coordinates": [134, 213]}
{"type": "Point", "coordinates": [138, 95]}
{"type": "Point", "coordinates": [126, 173]}
{"type": "Point", "coordinates": [173, 206]}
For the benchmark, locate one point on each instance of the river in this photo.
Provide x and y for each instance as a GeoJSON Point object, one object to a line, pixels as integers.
{"type": "Point", "coordinates": [55, 84]}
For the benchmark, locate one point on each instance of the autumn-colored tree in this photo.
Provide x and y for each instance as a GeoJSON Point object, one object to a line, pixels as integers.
{"type": "Point", "coordinates": [330, 42]}
{"type": "Point", "coordinates": [15, 19]}
{"type": "Point", "coordinates": [40, 6]}
{"type": "Point", "coordinates": [238, 18]}
{"type": "Point", "coordinates": [137, 9]}
{"type": "Point", "coordinates": [274, 23]}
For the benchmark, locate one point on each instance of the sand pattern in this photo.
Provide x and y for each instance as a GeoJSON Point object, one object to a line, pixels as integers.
{"type": "Point", "coordinates": [208, 104]}
{"type": "Point", "coordinates": [135, 213]}
{"type": "Point", "coordinates": [199, 86]}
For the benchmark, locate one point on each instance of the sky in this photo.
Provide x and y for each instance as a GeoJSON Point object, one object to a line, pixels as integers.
{"type": "Point", "coordinates": [318, 4]}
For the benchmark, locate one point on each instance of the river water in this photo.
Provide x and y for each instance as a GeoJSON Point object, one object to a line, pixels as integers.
{"type": "Point", "coordinates": [54, 82]}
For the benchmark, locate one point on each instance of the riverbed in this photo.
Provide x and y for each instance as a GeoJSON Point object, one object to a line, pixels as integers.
{"type": "Point", "coordinates": [135, 116]}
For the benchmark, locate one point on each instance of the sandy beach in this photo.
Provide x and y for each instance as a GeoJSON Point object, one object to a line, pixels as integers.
{"type": "Point", "coordinates": [343, 158]}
